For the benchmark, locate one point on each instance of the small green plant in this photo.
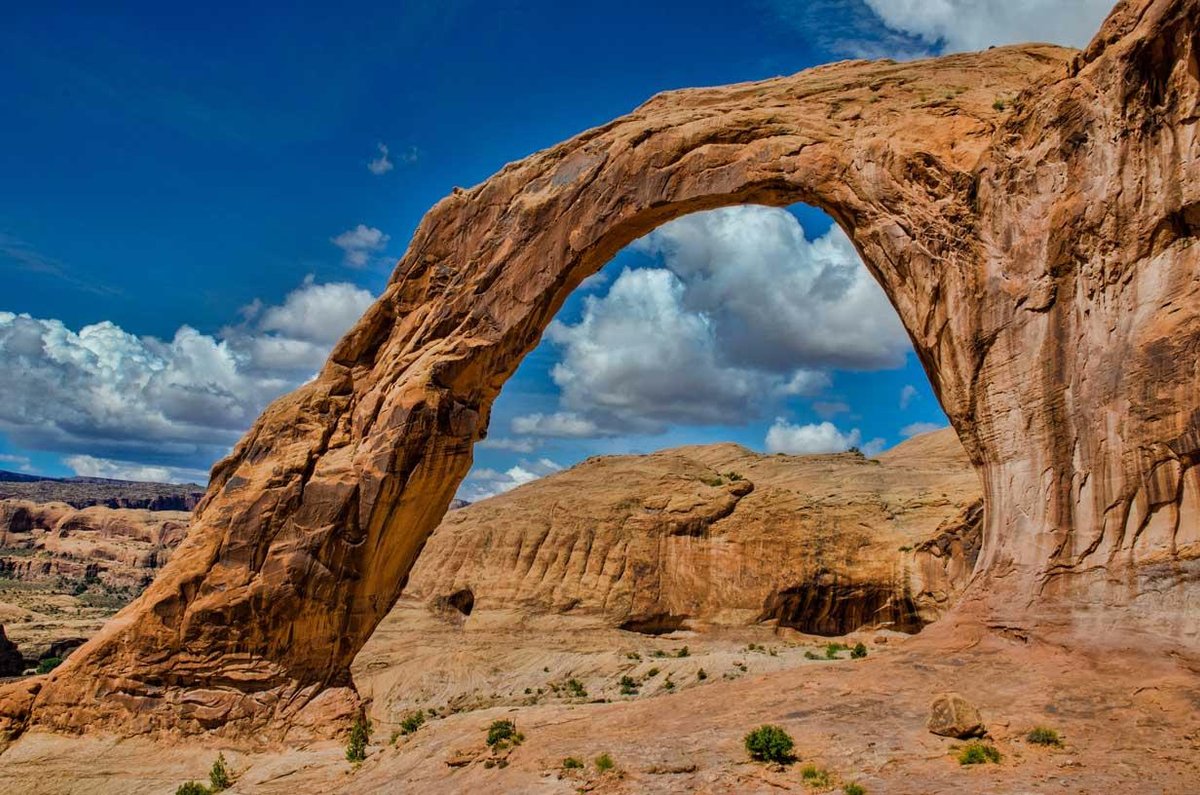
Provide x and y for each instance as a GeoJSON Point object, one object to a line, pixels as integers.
{"type": "Point", "coordinates": [770, 743]}
{"type": "Point", "coordinates": [701, 675]}
{"type": "Point", "coordinates": [218, 775]}
{"type": "Point", "coordinates": [49, 664]}
{"type": "Point", "coordinates": [999, 104]}
{"type": "Point", "coordinates": [831, 650]}
{"type": "Point", "coordinates": [360, 732]}
{"type": "Point", "coordinates": [633, 655]}
{"type": "Point", "coordinates": [682, 652]}
{"type": "Point", "coordinates": [977, 753]}
{"type": "Point", "coordinates": [191, 788]}
{"type": "Point", "coordinates": [576, 688]}
{"type": "Point", "coordinates": [652, 672]}
{"type": "Point", "coordinates": [629, 686]}
{"type": "Point", "coordinates": [906, 548]}
{"type": "Point", "coordinates": [815, 777]}
{"type": "Point", "coordinates": [415, 720]}
{"type": "Point", "coordinates": [811, 655]}
{"type": "Point", "coordinates": [668, 684]}
{"type": "Point", "coordinates": [1041, 735]}
{"type": "Point", "coordinates": [502, 733]}
{"type": "Point", "coordinates": [605, 763]}
{"type": "Point", "coordinates": [571, 763]}
{"type": "Point", "coordinates": [658, 653]}
{"type": "Point", "coordinates": [734, 477]}
{"type": "Point", "coordinates": [859, 651]}
{"type": "Point", "coordinates": [853, 789]}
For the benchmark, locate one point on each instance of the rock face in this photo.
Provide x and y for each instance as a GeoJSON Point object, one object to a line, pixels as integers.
{"type": "Point", "coordinates": [1032, 213]}
{"type": "Point", "coordinates": [719, 535]}
{"type": "Point", "coordinates": [85, 492]}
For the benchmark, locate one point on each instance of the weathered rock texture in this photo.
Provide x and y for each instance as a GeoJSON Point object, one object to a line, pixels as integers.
{"type": "Point", "coordinates": [719, 535]}
{"type": "Point", "coordinates": [1040, 250]}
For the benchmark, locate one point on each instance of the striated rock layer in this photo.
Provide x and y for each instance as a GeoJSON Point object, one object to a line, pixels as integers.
{"type": "Point", "coordinates": [1032, 213]}
{"type": "Point", "coordinates": [719, 535]}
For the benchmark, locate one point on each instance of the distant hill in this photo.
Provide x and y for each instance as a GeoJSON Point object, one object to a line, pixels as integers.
{"type": "Point", "coordinates": [80, 492]}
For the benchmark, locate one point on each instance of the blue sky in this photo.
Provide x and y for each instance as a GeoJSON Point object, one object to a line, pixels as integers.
{"type": "Point", "coordinates": [189, 215]}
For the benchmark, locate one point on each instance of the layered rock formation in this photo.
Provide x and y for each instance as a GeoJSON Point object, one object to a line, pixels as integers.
{"type": "Point", "coordinates": [1030, 211]}
{"type": "Point", "coordinates": [84, 492]}
{"type": "Point", "coordinates": [719, 535]}
{"type": "Point", "coordinates": [121, 549]}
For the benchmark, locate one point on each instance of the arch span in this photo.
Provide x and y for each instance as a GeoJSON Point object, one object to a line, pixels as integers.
{"type": "Point", "coordinates": [1030, 211]}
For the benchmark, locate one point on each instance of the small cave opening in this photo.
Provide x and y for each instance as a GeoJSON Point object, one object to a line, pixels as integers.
{"type": "Point", "coordinates": [461, 601]}
{"type": "Point", "coordinates": [656, 624]}
{"type": "Point", "coordinates": [829, 607]}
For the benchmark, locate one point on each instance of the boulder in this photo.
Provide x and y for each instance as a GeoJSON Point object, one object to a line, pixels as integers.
{"type": "Point", "coordinates": [951, 715]}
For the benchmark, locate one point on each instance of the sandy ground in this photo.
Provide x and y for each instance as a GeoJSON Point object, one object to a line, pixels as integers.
{"type": "Point", "coordinates": [1130, 722]}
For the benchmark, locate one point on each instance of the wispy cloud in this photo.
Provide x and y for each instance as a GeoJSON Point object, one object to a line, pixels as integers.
{"type": "Point", "coordinates": [380, 165]}
{"type": "Point", "coordinates": [21, 255]}
{"type": "Point", "coordinates": [918, 428]}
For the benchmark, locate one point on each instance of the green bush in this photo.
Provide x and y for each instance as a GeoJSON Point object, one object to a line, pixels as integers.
{"type": "Point", "coordinates": [502, 732]}
{"type": "Point", "coordinates": [49, 664]}
{"type": "Point", "coordinates": [770, 744]}
{"type": "Point", "coordinates": [832, 649]}
{"type": "Point", "coordinates": [415, 720]}
{"type": "Point", "coordinates": [859, 651]}
{"type": "Point", "coordinates": [571, 763]}
{"type": "Point", "coordinates": [815, 777]}
{"type": "Point", "coordinates": [360, 732]}
{"type": "Point", "coordinates": [701, 675]}
{"type": "Point", "coordinates": [605, 763]}
{"type": "Point", "coordinates": [1040, 735]}
{"type": "Point", "coordinates": [191, 788]}
{"type": "Point", "coordinates": [576, 688]}
{"type": "Point", "coordinates": [218, 775]}
{"type": "Point", "coordinates": [629, 686]}
{"type": "Point", "coordinates": [652, 672]}
{"type": "Point", "coordinates": [853, 789]}
{"type": "Point", "coordinates": [682, 652]}
{"type": "Point", "coordinates": [811, 655]}
{"type": "Point", "coordinates": [668, 684]}
{"type": "Point", "coordinates": [977, 753]}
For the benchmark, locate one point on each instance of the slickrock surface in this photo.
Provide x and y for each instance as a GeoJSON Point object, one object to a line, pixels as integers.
{"type": "Point", "coordinates": [720, 535]}
{"type": "Point", "coordinates": [1032, 213]}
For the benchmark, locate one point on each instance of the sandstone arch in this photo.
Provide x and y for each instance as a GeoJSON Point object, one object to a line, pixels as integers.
{"type": "Point", "coordinates": [1040, 251]}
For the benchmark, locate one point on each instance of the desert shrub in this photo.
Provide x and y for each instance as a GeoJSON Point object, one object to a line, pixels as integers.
{"type": "Point", "coordinates": [360, 732]}
{"type": "Point", "coordinates": [770, 744]}
{"type": "Point", "coordinates": [855, 451]}
{"type": "Point", "coordinates": [629, 686]}
{"type": "Point", "coordinates": [734, 477]}
{"type": "Point", "coordinates": [701, 674]}
{"type": "Point", "coordinates": [605, 763]}
{"type": "Point", "coordinates": [815, 777]}
{"type": "Point", "coordinates": [191, 788]}
{"type": "Point", "coordinates": [682, 652]}
{"type": "Point", "coordinates": [977, 753]}
{"type": "Point", "coordinates": [668, 685]}
{"type": "Point", "coordinates": [576, 688]}
{"type": "Point", "coordinates": [811, 655]}
{"type": "Point", "coordinates": [415, 720]}
{"type": "Point", "coordinates": [652, 672]}
{"type": "Point", "coordinates": [999, 104]}
{"type": "Point", "coordinates": [571, 763]}
{"type": "Point", "coordinates": [859, 651]}
{"type": "Point", "coordinates": [633, 655]}
{"type": "Point", "coordinates": [1041, 735]}
{"type": "Point", "coordinates": [49, 664]}
{"type": "Point", "coordinates": [853, 789]}
{"type": "Point", "coordinates": [218, 775]}
{"type": "Point", "coordinates": [658, 653]}
{"type": "Point", "coordinates": [832, 649]}
{"type": "Point", "coordinates": [503, 731]}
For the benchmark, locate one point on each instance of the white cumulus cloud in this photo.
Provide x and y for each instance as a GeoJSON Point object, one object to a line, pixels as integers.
{"type": "Point", "coordinates": [485, 482]}
{"type": "Point", "coordinates": [824, 437]}
{"type": "Point", "coordinates": [918, 428]}
{"type": "Point", "coordinates": [962, 25]}
{"type": "Point", "coordinates": [359, 243]}
{"type": "Point", "coordinates": [560, 424]}
{"type": "Point", "coordinates": [103, 394]}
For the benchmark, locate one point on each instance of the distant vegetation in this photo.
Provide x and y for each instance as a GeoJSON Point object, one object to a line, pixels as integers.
{"type": "Point", "coordinates": [978, 753]}
{"type": "Point", "coordinates": [503, 734]}
{"type": "Point", "coordinates": [360, 733]}
{"type": "Point", "coordinates": [49, 664]}
{"type": "Point", "coordinates": [1040, 735]}
{"type": "Point", "coordinates": [605, 763]}
{"type": "Point", "coordinates": [412, 721]}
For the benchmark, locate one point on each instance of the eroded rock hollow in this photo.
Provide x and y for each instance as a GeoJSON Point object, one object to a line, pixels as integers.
{"type": "Point", "coordinates": [1032, 213]}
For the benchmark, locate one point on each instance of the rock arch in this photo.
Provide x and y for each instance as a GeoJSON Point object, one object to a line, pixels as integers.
{"type": "Point", "coordinates": [1032, 213]}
